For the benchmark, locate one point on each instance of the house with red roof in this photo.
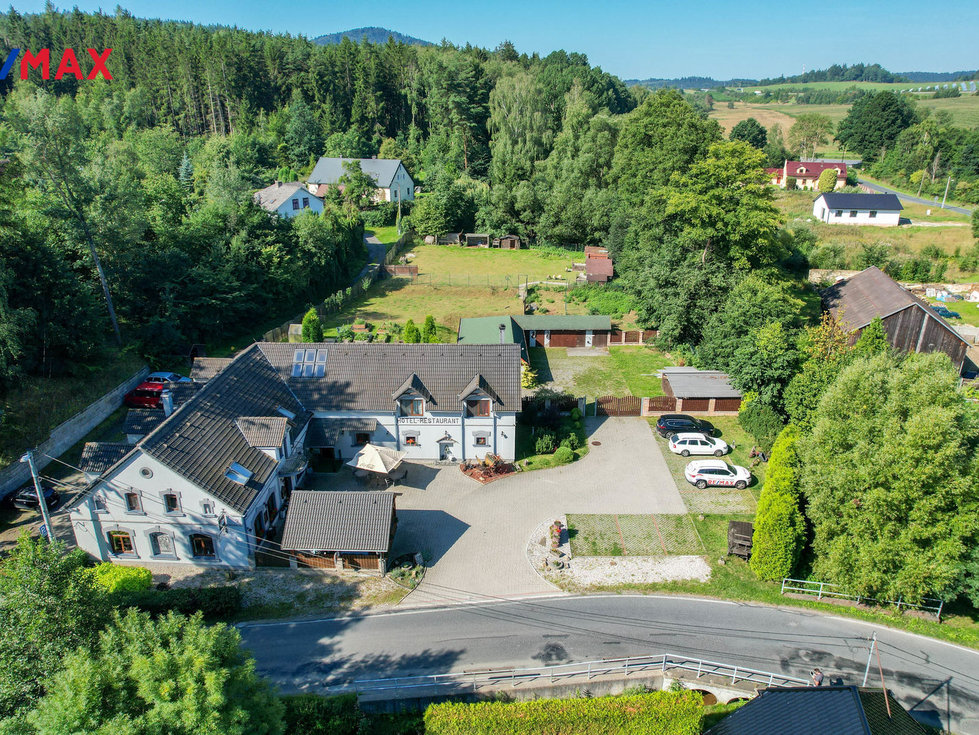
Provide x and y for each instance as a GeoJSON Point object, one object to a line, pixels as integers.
{"type": "Point", "coordinates": [805, 173]}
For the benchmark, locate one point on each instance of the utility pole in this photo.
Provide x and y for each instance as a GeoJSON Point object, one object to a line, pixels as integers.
{"type": "Point", "coordinates": [949, 181]}
{"type": "Point", "coordinates": [29, 459]}
{"type": "Point", "coordinates": [873, 646]}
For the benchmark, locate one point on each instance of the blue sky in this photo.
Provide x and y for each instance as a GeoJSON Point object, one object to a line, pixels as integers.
{"type": "Point", "coordinates": [634, 39]}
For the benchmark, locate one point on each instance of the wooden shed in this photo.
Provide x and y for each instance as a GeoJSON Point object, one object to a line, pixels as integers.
{"type": "Point", "coordinates": [700, 391]}
{"type": "Point", "coordinates": [476, 239]}
{"type": "Point", "coordinates": [340, 530]}
{"type": "Point", "coordinates": [910, 323]}
{"type": "Point", "coordinates": [507, 242]}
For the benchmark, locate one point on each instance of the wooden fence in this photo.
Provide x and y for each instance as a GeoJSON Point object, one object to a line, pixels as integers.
{"type": "Point", "coordinates": [618, 406]}
{"type": "Point", "coordinates": [631, 336]}
{"type": "Point", "coordinates": [411, 271]}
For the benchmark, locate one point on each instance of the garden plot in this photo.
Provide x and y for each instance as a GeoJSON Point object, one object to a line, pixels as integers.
{"type": "Point", "coordinates": [632, 535]}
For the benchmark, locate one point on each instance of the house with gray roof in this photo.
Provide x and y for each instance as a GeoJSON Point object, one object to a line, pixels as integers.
{"type": "Point", "coordinates": [393, 181]}
{"type": "Point", "coordinates": [537, 330]}
{"type": "Point", "coordinates": [910, 323]}
{"type": "Point", "coordinates": [341, 530]}
{"type": "Point", "coordinates": [838, 208]}
{"type": "Point", "coordinates": [288, 199]}
{"type": "Point", "coordinates": [206, 484]}
{"type": "Point", "coordinates": [205, 368]}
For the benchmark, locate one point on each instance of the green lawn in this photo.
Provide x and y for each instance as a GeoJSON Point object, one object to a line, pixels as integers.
{"type": "Point", "coordinates": [624, 371]}
{"type": "Point", "coordinates": [632, 535]}
{"type": "Point", "coordinates": [461, 265]}
{"type": "Point", "coordinates": [36, 405]}
{"type": "Point", "coordinates": [387, 235]}
{"type": "Point", "coordinates": [526, 449]}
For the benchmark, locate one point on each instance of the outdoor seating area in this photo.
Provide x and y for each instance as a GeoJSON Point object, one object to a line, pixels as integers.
{"type": "Point", "coordinates": [378, 467]}
{"type": "Point", "coordinates": [492, 467]}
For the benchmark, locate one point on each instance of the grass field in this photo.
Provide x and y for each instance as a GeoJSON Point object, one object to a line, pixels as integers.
{"type": "Point", "coordinates": [474, 265]}
{"type": "Point", "coordinates": [624, 371]}
{"type": "Point", "coordinates": [633, 535]}
{"type": "Point", "coordinates": [387, 235]}
{"type": "Point", "coordinates": [37, 405]}
{"type": "Point", "coordinates": [397, 300]}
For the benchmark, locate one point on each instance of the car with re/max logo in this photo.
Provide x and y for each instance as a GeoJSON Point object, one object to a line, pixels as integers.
{"type": "Point", "coordinates": [716, 472]}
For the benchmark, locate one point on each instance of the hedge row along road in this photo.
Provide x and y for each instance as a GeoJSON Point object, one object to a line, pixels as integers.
{"type": "Point", "coordinates": [938, 680]}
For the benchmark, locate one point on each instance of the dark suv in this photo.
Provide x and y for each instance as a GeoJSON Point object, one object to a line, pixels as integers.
{"type": "Point", "coordinates": [674, 423]}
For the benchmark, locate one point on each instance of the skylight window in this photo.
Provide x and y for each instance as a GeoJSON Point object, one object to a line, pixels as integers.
{"type": "Point", "coordinates": [237, 473]}
{"type": "Point", "coordinates": [309, 363]}
{"type": "Point", "coordinates": [286, 412]}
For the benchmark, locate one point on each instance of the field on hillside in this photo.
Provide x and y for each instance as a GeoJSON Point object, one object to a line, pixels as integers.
{"type": "Point", "coordinates": [463, 265]}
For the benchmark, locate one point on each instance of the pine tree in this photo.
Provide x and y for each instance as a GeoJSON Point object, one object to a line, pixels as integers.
{"type": "Point", "coordinates": [186, 172]}
{"type": "Point", "coordinates": [429, 333]}
{"type": "Point", "coordinates": [312, 327]}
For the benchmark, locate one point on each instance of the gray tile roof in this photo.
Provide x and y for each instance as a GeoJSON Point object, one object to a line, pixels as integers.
{"type": "Point", "coordinates": [329, 170]}
{"type": "Point", "coordinates": [689, 382]}
{"type": "Point", "coordinates": [263, 431]}
{"type": "Point", "coordinates": [879, 202]}
{"type": "Point", "coordinates": [354, 521]}
{"type": "Point", "coordinates": [272, 197]}
{"type": "Point", "coordinates": [141, 421]}
{"type": "Point", "coordinates": [326, 432]}
{"type": "Point", "coordinates": [97, 457]}
{"type": "Point", "coordinates": [568, 322]}
{"type": "Point", "coordinates": [205, 368]}
{"type": "Point", "coordinates": [363, 377]}
{"type": "Point", "coordinates": [202, 439]}
{"type": "Point", "coordinates": [815, 711]}
{"type": "Point", "coordinates": [871, 293]}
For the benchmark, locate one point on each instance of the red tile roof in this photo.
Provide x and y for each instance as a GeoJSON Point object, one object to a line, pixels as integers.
{"type": "Point", "coordinates": [812, 169]}
{"type": "Point", "coordinates": [598, 267]}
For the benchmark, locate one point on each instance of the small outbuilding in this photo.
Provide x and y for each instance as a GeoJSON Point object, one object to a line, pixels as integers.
{"type": "Point", "coordinates": [707, 391]}
{"type": "Point", "coordinates": [140, 422]}
{"type": "Point", "coordinates": [598, 270]}
{"type": "Point", "coordinates": [537, 330]}
{"type": "Point", "coordinates": [476, 239]}
{"type": "Point", "coordinates": [205, 368]}
{"type": "Point", "coordinates": [880, 210]}
{"type": "Point", "coordinates": [340, 529]}
{"type": "Point", "coordinates": [507, 242]}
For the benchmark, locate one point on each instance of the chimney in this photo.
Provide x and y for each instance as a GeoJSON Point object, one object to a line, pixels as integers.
{"type": "Point", "coordinates": [166, 401]}
{"type": "Point", "coordinates": [502, 332]}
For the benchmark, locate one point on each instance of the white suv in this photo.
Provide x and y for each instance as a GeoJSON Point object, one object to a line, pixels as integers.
{"type": "Point", "coordinates": [704, 472]}
{"type": "Point", "coordinates": [687, 444]}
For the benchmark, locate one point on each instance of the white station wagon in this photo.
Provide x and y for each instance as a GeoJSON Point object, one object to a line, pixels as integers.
{"type": "Point", "coordinates": [687, 444]}
{"type": "Point", "coordinates": [704, 472]}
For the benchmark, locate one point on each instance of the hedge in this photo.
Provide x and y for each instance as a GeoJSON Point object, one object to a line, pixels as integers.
{"type": "Point", "coordinates": [761, 421]}
{"type": "Point", "coordinates": [215, 603]}
{"type": "Point", "coordinates": [312, 714]}
{"type": "Point", "coordinates": [663, 713]}
{"type": "Point", "coordinates": [779, 524]}
{"type": "Point", "coordinates": [115, 578]}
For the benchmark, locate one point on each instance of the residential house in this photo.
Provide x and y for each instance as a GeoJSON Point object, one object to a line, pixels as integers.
{"type": "Point", "coordinates": [208, 483]}
{"type": "Point", "coordinates": [696, 390]}
{"type": "Point", "coordinates": [881, 210]}
{"type": "Point", "coordinates": [392, 179]}
{"type": "Point", "coordinates": [806, 173]}
{"type": "Point", "coordinates": [287, 199]}
{"type": "Point", "coordinates": [910, 323]}
{"type": "Point", "coordinates": [537, 330]}
{"type": "Point", "coordinates": [341, 530]}
{"type": "Point", "coordinates": [840, 710]}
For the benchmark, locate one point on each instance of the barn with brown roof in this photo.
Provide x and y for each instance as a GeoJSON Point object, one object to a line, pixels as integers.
{"type": "Point", "coordinates": [911, 324]}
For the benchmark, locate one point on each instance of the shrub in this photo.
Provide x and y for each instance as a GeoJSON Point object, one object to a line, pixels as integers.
{"type": "Point", "coordinates": [563, 455]}
{"type": "Point", "coordinates": [575, 414]}
{"type": "Point", "coordinates": [114, 578]}
{"type": "Point", "coordinates": [345, 333]}
{"type": "Point", "coordinates": [545, 444]}
{"type": "Point", "coordinates": [428, 333]}
{"type": "Point", "coordinates": [311, 714]}
{"type": "Point", "coordinates": [827, 180]}
{"type": "Point", "coordinates": [214, 603]}
{"type": "Point", "coordinates": [528, 377]}
{"type": "Point", "coordinates": [571, 441]}
{"type": "Point", "coordinates": [664, 713]}
{"type": "Point", "coordinates": [779, 524]}
{"type": "Point", "coordinates": [411, 334]}
{"type": "Point", "coordinates": [761, 421]}
{"type": "Point", "coordinates": [828, 255]}
{"type": "Point", "coordinates": [312, 327]}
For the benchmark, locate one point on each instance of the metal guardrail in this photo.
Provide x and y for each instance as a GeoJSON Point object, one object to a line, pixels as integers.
{"type": "Point", "coordinates": [472, 680]}
{"type": "Point", "coordinates": [824, 589]}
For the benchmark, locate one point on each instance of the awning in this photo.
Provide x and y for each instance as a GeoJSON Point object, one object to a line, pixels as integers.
{"type": "Point", "coordinates": [376, 459]}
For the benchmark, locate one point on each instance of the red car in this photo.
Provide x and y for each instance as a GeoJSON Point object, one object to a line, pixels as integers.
{"type": "Point", "coordinates": [145, 395]}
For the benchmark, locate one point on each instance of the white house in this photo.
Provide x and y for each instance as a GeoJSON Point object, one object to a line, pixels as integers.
{"type": "Point", "coordinates": [882, 210]}
{"type": "Point", "coordinates": [392, 179]}
{"type": "Point", "coordinates": [288, 199]}
{"type": "Point", "coordinates": [207, 484]}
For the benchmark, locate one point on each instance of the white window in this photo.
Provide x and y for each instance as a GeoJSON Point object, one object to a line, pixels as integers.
{"type": "Point", "coordinates": [839, 212]}
{"type": "Point", "coordinates": [98, 503]}
{"type": "Point", "coordinates": [873, 214]}
{"type": "Point", "coordinates": [207, 507]}
{"type": "Point", "coordinates": [161, 544]}
{"type": "Point", "coordinates": [202, 546]}
{"type": "Point", "coordinates": [239, 474]}
{"type": "Point", "coordinates": [121, 542]}
{"type": "Point", "coordinates": [853, 213]}
{"type": "Point", "coordinates": [309, 363]}
{"type": "Point", "coordinates": [132, 503]}
{"type": "Point", "coordinates": [286, 412]}
{"type": "Point", "coordinates": [481, 441]}
{"type": "Point", "coordinates": [171, 503]}
{"type": "Point", "coordinates": [412, 407]}
{"type": "Point", "coordinates": [295, 204]}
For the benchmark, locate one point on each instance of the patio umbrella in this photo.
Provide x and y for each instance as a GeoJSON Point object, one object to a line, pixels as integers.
{"type": "Point", "coordinates": [376, 459]}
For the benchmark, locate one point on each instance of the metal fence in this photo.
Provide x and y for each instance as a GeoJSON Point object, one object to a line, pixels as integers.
{"type": "Point", "coordinates": [472, 680]}
{"type": "Point", "coordinates": [821, 590]}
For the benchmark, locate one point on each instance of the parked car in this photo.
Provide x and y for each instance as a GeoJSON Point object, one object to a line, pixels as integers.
{"type": "Point", "coordinates": [676, 423]}
{"type": "Point", "coordinates": [145, 395]}
{"type": "Point", "coordinates": [946, 313]}
{"type": "Point", "coordinates": [26, 497]}
{"type": "Point", "coordinates": [704, 472]}
{"type": "Point", "coordinates": [686, 444]}
{"type": "Point", "coordinates": [164, 378]}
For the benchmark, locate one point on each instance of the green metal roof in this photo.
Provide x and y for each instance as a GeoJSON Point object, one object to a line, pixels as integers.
{"type": "Point", "coordinates": [559, 322]}
{"type": "Point", "coordinates": [485, 330]}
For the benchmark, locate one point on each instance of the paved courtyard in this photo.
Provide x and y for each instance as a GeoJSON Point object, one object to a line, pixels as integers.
{"type": "Point", "coordinates": [474, 537]}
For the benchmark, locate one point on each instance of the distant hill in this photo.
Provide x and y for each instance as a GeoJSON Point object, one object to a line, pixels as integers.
{"type": "Point", "coordinates": [835, 73]}
{"type": "Point", "coordinates": [372, 34]}
{"type": "Point", "coordinates": [937, 76]}
{"type": "Point", "coordinates": [685, 83]}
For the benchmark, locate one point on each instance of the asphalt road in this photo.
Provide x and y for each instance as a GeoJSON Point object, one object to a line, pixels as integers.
{"type": "Point", "coordinates": [908, 198]}
{"type": "Point", "coordinates": [937, 681]}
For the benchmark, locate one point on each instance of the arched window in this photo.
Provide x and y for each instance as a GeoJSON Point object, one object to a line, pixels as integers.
{"type": "Point", "coordinates": [161, 544]}
{"type": "Point", "coordinates": [121, 542]}
{"type": "Point", "coordinates": [202, 546]}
